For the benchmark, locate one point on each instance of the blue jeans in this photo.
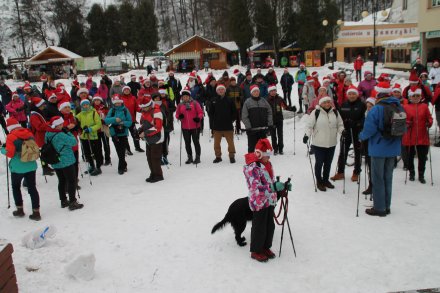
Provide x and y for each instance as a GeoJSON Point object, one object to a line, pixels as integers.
{"type": "Point", "coordinates": [382, 178]}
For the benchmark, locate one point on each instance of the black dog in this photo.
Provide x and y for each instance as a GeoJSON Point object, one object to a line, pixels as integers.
{"type": "Point", "coordinates": [238, 214]}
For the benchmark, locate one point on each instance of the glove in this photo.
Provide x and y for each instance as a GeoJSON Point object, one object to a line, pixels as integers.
{"type": "Point", "coordinates": [293, 109]}
{"type": "Point", "coordinates": [279, 186]}
{"type": "Point", "coordinates": [344, 132]}
{"type": "Point", "coordinates": [289, 186]}
{"type": "Point", "coordinates": [196, 119]}
{"type": "Point", "coordinates": [87, 130]}
{"type": "Point", "coordinates": [305, 139]}
{"type": "Point", "coordinates": [181, 116]}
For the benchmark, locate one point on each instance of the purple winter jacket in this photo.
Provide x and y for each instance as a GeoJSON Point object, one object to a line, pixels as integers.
{"type": "Point", "coordinates": [365, 87]}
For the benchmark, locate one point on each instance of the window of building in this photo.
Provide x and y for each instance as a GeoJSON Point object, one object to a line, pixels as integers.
{"type": "Point", "coordinates": [399, 56]}
{"type": "Point", "coordinates": [435, 3]}
{"type": "Point", "coordinates": [404, 4]}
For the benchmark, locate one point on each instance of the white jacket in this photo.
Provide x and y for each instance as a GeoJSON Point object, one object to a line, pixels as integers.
{"type": "Point", "coordinates": [324, 131]}
{"type": "Point", "coordinates": [434, 75]}
{"type": "Point", "coordinates": [308, 93]}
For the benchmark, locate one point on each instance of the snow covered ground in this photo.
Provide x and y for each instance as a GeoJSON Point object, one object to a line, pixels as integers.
{"type": "Point", "coordinates": [156, 237]}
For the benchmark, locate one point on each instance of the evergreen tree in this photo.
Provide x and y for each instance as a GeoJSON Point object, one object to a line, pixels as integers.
{"type": "Point", "coordinates": [240, 27]}
{"type": "Point", "coordinates": [264, 19]}
{"type": "Point", "coordinates": [311, 34]}
{"type": "Point", "coordinates": [330, 12]}
{"type": "Point", "coordinates": [113, 30]}
{"type": "Point", "coordinates": [145, 34]}
{"type": "Point", "coordinates": [96, 34]}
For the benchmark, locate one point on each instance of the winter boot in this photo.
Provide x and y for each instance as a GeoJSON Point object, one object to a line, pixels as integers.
{"type": "Point", "coordinates": [64, 203]}
{"type": "Point", "coordinates": [121, 171]}
{"type": "Point", "coordinates": [321, 186]}
{"type": "Point", "coordinates": [189, 160]}
{"type": "Point", "coordinates": [156, 179]}
{"type": "Point", "coordinates": [96, 172]}
{"type": "Point", "coordinates": [19, 212]}
{"type": "Point", "coordinates": [354, 177]}
{"type": "Point", "coordinates": [422, 180]}
{"type": "Point", "coordinates": [327, 184]}
{"type": "Point", "coordinates": [139, 149]}
{"type": "Point", "coordinates": [74, 205]}
{"type": "Point", "coordinates": [35, 215]}
{"type": "Point", "coordinates": [128, 152]}
{"type": "Point", "coordinates": [232, 160]}
{"type": "Point", "coordinates": [338, 176]}
{"type": "Point", "coordinates": [261, 257]}
{"type": "Point", "coordinates": [369, 190]}
{"type": "Point", "coordinates": [437, 144]}
{"type": "Point", "coordinates": [47, 171]}
{"type": "Point", "coordinates": [373, 212]}
{"type": "Point", "coordinates": [197, 160]}
{"type": "Point", "coordinates": [107, 162]}
{"type": "Point", "coordinates": [412, 176]}
{"type": "Point", "coordinates": [217, 160]}
{"type": "Point", "coordinates": [149, 178]}
{"type": "Point", "coordinates": [269, 253]}
{"type": "Point", "coordinates": [281, 152]}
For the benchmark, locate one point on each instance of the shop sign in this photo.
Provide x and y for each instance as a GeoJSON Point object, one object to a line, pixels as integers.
{"type": "Point", "coordinates": [433, 34]}
{"type": "Point", "coordinates": [387, 32]}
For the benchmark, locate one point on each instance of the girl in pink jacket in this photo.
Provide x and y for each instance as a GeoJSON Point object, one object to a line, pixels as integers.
{"type": "Point", "coordinates": [17, 109]}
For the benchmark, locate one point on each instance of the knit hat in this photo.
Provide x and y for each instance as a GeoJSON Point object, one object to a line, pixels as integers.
{"type": "Point", "coordinates": [38, 102]}
{"type": "Point", "coordinates": [397, 88]}
{"type": "Point", "coordinates": [82, 91]}
{"type": "Point", "coordinates": [56, 121]}
{"type": "Point", "coordinates": [272, 87]}
{"type": "Point", "coordinates": [414, 90]}
{"type": "Point", "coordinates": [96, 97]}
{"type": "Point", "coordinates": [12, 124]}
{"type": "Point", "coordinates": [126, 88]}
{"type": "Point", "coordinates": [84, 101]}
{"type": "Point", "coordinates": [413, 78]}
{"type": "Point", "coordinates": [371, 101]}
{"type": "Point", "coordinates": [64, 105]}
{"type": "Point", "coordinates": [315, 74]}
{"type": "Point", "coordinates": [145, 101]}
{"type": "Point", "coordinates": [325, 99]}
{"type": "Point", "coordinates": [117, 99]}
{"type": "Point", "coordinates": [383, 87]}
{"type": "Point", "coordinates": [263, 148]}
{"type": "Point", "coordinates": [352, 89]}
{"type": "Point", "coordinates": [185, 91]}
{"type": "Point", "coordinates": [254, 88]}
{"type": "Point", "coordinates": [310, 79]}
{"type": "Point", "coordinates": [220, 86]}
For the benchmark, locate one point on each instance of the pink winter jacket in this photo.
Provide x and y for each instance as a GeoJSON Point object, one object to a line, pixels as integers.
{"type": "Point", "coordinates": [14, 106]}
{"type": "Point", "coordinates": [189, 114]}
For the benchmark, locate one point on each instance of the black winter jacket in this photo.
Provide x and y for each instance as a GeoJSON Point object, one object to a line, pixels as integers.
{"type": "Point", "coordinates": [222, 113]}
{"type": "Point", "coordinates": [353, 115]}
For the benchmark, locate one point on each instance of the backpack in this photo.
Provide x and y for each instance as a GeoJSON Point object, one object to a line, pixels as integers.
{"type": "Point", "coordinates": [317, 112]}
{"type": "Point", "coordinates": [394, 121]}
{"type": "Point", "coordinates": [29, 150]}
{"type": "Point", "coordinates": [49, 154]}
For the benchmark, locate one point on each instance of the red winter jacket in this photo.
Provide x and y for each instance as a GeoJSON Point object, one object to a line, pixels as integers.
{"type": "Point", "coordinates": [418, 119]}
{"type": "Point", "coordinates": [149, 91]}
{"type": "Point", "coordinates": [426, 92]}
{"type": "Point", "coordinates": [69, 119]}
{"type": "Point", "coordinates": [131, 104]}
{"type": "Point", "coordinates": [62, 96]}
{"type": "Point", "coordinates": [358, 63]}
{"type": "Point", "coordinates": [16, 109]}
{"type": "Point", "coordinates": [189, 114]}
{"type": "Point", "coordinates": [155, 118]}
{"type": "Point", "coordinates": [38, 127]}
{"type": "Point", "coordinates": [340, 92]}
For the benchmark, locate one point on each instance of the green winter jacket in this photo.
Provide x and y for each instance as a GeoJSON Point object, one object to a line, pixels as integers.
{"type": "Point", "coordinates": [14, 141]}
{"type": "Point", "coordinates": [90, 119]}
{"type": "Point", "coordinates": [63, 143]}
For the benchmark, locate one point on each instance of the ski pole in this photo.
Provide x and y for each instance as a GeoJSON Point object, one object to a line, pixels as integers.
{"type": "Point", "coordinates": [89, 164]}
{"type": "Point", "coordinates": [430, 160]}
{"type": "Point", "coordinates": [107, 145]}
{"type": "Point", "coordinates": [359, 188]}
{"type": "Point", "coordinates": [180, 155]}
{"type": "Point", "coordinates": [408, 150]}
{"type": "Point", "coordinates": [343, 155]}
{"type": "Point", "coordinates": [311, 167]}
{"type": "Point", "coordinates": [294, 133]}
{"type": "Point", "coordinates": [7, 182]}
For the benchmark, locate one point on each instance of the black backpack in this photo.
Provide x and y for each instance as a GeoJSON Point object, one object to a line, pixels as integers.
{"type": "Point", "coordinates": [49, 154]}
{"type": "Point", "coordinates": [394, 121]}
{"type": "Point", "coordinates": [317, 112]}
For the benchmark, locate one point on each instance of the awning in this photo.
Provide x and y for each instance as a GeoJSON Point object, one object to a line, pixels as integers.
{"type": "Point", "coordinates": [400, 42]}
{"type": "Point", "coordinates": [185, 55]}
{"type": "Point", "coordinates": [54, 60]}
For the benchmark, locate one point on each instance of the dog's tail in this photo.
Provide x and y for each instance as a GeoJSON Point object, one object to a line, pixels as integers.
{"type": "Point", "coordinates": [220, 224]}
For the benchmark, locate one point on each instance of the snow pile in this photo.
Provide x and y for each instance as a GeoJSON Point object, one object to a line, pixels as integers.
{"type": "Point", "coordinates": [38, 238]}
{"type": "Point", "coordinates": [82, 268]}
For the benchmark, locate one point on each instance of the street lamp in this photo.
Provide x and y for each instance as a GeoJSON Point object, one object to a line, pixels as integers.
{"type": "Point", "coordinates": [124, 44]}
{"type": "Point", "coordinates": [365, 14]}
{"type": "Point", "coordinates": [338, 23]}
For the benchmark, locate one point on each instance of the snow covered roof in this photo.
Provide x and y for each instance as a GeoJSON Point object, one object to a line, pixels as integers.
{"type": "Point", "coordinates": [231, 46]}
{"type": "Point", "coordinates": [400, 42]}
{"type": "Point", "coordinates": [61, 51]}
{"type": "Point", "coordinates": [254, 47]}
{"type": "Point", "coordinates": [381, 19]}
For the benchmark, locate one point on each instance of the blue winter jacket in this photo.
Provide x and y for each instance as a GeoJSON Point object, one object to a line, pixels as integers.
{"type": "Point", "coordinates": [63, 143]}
{"type": "Point", "coordinates": [122, 113]}
{"type": "Point", "coordinates": [378, 146]}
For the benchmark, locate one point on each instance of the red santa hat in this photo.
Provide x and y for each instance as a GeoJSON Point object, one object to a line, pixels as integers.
{"type": "Point", "coordinates": [371, 101]}
{"type": "Point", "coordinates": [310, 79]}
{"type": "Point", "coordinates": [38, 102]}
{"type": "Point", "coordinates": [352, 89]}
{"type": "Point", "coordinates": [97, 97]}
{"type": "Point", "coordinates": [82, 91]}
{"type": "Point", "coordinates": [14, 94]}
{"type": "Point", "coordinates": [56, 121]}
{"type": "Point", "coordinates": [220, 86]}
{"type": "Point", "coordinates": [27, 86]}
{"type": "Point", "coordinates": [414, 90]}
{"type": "Point", "coordinates": [145, 101]}
{"type": "Point", "coordinates": [64, 105]}
{"type": "Point", "coordinates": [263, 148]}
{"type": "Point", "coordinates": [272, 87]}
{"type": "Point", "coordinates": [324, 99]}
{"type": "Point", "coordinates": [185, 91]}
{"type": "Point", "coordinates": [383, 87]}
{"type": "Point", "coordinates": [51, 95]}
{"type": "Point", "coordinates": [424, 73]}
{"type": "Point", "coordinates": [147, 79]}
{"type": "Point", "coordinates": [397, 88]}
{"type": "Point", "coordinates": [413, 78]}
{"type": "Point", "coordinates": [192, 75]}
{"type": "Point", "coordinates": [368, 73]}
{"type": "Point", "coordinates": [102, 72]}
{"type": "Point", "coordinates": [12, 124]}
{"type": "Point", "coordinates": [254, 88]}
{"type": "Point", "coordinates": [302, 64]}
{"type": "Point", "coordinates": [117, 99]}
{"type": "Point", "coordinates": [315, 74]}
{"type": "Point", "coordinates": [384, 77]}
{"type": "Point", "coordinates": [43, 78]}
{"type": "Point", "coordinates": [126, 88]}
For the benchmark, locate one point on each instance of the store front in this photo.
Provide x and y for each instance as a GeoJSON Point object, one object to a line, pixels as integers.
{"type": "Point", "coordinates": [401, 53]}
